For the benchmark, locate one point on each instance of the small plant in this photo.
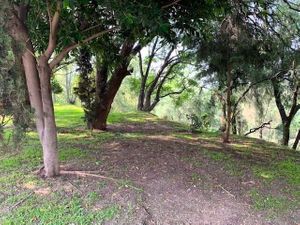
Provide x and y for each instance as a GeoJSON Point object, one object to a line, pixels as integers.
{"type": "Point", "coordinates": [195, 122]}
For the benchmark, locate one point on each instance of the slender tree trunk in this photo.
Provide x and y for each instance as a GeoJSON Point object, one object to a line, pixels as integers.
{"type": "Point", "coordinates": [261, 133]}
{"type": "Point", "coordinates": [296, 140]}
{"type": "Point", "coordinates": [142, 95]}
{"type": "Point", "coordinates": [234, 125]}
{"type": "Point", "coordinates": [286, 133]}
{"type": "Point", "coordinates": [228, 106]}
{"type": "Point", "coordinates": [223, 117]}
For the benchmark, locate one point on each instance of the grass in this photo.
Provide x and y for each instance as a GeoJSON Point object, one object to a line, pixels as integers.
{"type": "Point", "coordinates": [56, 210]}
{"type": "Point", "coordinates": [266, 162]}
{"type": "Point", "coordinates": [270, 203]}
{"type": "Point", "coordinates": [74, 143]}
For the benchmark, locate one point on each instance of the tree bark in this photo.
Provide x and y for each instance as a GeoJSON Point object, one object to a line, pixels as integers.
{"type": "Point", "coordinates": [234, 125]}
{"type": "Point", "coordinates": [49, 143]}
{"type": "Point", "coordinates": [39, 89]}
{"type": "Point", "coordinates": [142, 94]}
{"type": "Point", "coordinates": [107, 90]}
{"type": "Point", "coordinates": [228, 105]}
{"type": "Point", "coordinates": [106, 100]}
{"type": "Point", "coordinates": [285, 118]}
{"type": "Point", "coordinates": [286, 132]}
{"type": "Point", "coordinates": [296, 140]}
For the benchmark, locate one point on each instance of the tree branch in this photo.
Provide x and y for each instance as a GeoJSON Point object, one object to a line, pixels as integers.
{"type": "Point", "coordinates": [53, 27]}
{"type": "Point", "coordinates": [72, 46]}
{"type": "Point", "coordinates": [174, 92]}
{"type": "Point", "coordinates": [141, 64]}
{"type": "Point", "coordinates": [170, 4]}
{"type": "Point", "coordinates": [291, 5]}
{"type": "Point", "coordinates": [249, 88]}
{"type": "Point", "coordinates": [252, 130]}
{"type": "Point", "coordinates": [151, 56]}
{"type": "Point", "coordinates": [295, 107]}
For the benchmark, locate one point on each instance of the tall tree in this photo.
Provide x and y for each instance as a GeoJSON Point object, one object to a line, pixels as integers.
{"type": "Point", "coordinates": [153, 88]}
{"type": "Point", "coordinates": [286, 87]}
{"type": "Point", "coordinates": [45, 46]}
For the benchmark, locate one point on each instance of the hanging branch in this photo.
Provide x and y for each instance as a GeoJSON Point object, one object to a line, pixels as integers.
{"type": "Point", "coordinates": [253, 130]}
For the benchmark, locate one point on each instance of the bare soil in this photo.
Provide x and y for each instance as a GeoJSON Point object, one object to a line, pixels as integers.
{"type": "Point", "coordinates": [164, 179]}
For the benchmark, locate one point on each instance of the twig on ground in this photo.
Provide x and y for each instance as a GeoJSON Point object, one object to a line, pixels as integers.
{"type": "Point", "coordinates": [73, 185]}
{"type": "Point", "coordinates": [84, 174]}
{"type": "Point", "coordinates": [228, 192]}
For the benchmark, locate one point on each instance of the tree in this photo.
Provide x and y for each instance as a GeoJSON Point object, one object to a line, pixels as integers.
{"type": "Point", "coordinates": [238, 50]}
{"type": "Point", "coordinates": [286, 87]}
{"type": "Point", "coordinates": [69, 84]}
{"type": "Point", "coordinates": [39, 60]}
{"type": "Point", "coordinates": [156, 86]}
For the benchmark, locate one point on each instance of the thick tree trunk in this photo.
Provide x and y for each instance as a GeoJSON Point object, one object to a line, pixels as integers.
{"type": "Point", "coordinates": [106, 98]}
{"type": "Point", "coordinates": [100, 123]}
{"type": "Point", "coordinates": [228, 106]}
{"type": "Point", "coordinates": [296, 140]}
{"type": "Point", "coordinates": [286, 133]}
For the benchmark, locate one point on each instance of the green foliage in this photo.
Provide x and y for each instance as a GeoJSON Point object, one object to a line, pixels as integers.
{"type": "Point", "coordinates": [14, 106]}
{"type": "Point", "coordinates": [86, 85]}
{"type": "Point", "coordinates": [56, 87]}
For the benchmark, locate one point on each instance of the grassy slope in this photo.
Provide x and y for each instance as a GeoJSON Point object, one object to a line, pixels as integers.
{"type": "Point", "coordinates": [25, 199]}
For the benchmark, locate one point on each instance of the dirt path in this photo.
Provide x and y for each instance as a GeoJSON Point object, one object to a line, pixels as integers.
{"type": "Point", "coordinates": [171, 180]}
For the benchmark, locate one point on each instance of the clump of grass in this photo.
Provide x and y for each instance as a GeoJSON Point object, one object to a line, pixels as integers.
{"type": "Point", "coordinates": [216, 156]}
{"type": "Point", "coordinates": [290, 170]}
{"type": "Point", "coordinates": [286, 169]}
{"type": "Point", "coordinates": [58, 211]}
{"type": "Point", "coordinates": [71, 153]}
{"type": "Point", "coordinates": [184, 136]}
{"type": "Point", "coordinates": [230, 164]}
{"type": "Point", "coordinates": [269, 202]}
{"type": "Point", "coordinates": [264, 173]}
{"type": "Point", "coordinates": [133, 117]}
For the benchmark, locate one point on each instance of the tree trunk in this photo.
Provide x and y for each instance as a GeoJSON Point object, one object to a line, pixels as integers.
{"type": "Point", "coordinates": [103, 110]}
{"type": "Point", "coordinates": [107, 94]}
{"type": "Point", "coordinates": [261, 133]}
{"type": "Point", "coordinates": [234, 125]}
{"type": "Point", "coordinates": [228, 106]}
{"type": "Point", "coordinates": [296, 140]}
{"type": "Point", "coordinates": [142, 94]}
{"type": "Point", "coordinates": [223, 117]}
{"type": "Point", "coordinates": [39, 90]}
{"type": "Point", "coordinates": [285, 133]}
{"type": "Point", "coordinates": [49, 143]}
